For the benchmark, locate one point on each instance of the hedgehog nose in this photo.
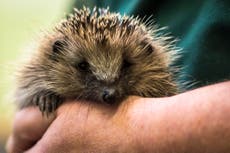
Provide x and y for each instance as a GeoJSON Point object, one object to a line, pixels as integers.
{"type": "Point", "coordinates": [108, 96]}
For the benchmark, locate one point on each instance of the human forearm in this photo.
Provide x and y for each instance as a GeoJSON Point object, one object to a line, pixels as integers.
{"type": "Point", "coordinates": [194, 122]}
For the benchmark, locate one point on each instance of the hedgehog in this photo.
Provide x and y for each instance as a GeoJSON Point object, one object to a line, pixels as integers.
{"type": "Point", "coordinates": [98, 56]}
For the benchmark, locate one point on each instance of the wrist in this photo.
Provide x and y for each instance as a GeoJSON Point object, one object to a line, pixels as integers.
{"type": "Point", "coordinates": [140, 117]}
{"type": "Point", "coordinates": [189, 122]}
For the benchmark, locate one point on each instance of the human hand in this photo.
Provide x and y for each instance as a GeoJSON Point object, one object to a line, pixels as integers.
{"type": "Point", "coordinates": [193, 122]}
{"type": "Point", "coordinates": [85, 127]}
{"type": "Point", "coordinates": [29, 126]}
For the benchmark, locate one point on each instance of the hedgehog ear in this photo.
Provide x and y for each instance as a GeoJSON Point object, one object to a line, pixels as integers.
{"type": "Point", "coordinates": [58, 46]}
{"type": "Point", "coordinates": [148, 48]}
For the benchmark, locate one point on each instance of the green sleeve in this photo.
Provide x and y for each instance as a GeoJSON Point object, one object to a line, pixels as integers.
{"type": "Point", "coordinates": [202, 26]}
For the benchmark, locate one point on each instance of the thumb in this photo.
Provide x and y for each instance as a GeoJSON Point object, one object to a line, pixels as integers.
{"type": "Point", "coordinates": [28, 127]}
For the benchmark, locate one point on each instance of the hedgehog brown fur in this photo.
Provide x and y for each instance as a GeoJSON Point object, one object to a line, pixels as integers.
{"type": "Point", "coordinates": [98, 56]}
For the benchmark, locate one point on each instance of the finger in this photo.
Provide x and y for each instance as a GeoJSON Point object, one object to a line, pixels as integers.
{"type": "Point", "coordinates": [64, 127]}
{"type": "Point", "coordinates": [75, 124]}
{"type": "Point", "coordinates": [28, 127]}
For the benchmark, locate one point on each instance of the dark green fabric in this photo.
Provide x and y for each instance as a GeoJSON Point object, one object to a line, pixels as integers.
{"type": "Point", "coordinates": [202, 26]}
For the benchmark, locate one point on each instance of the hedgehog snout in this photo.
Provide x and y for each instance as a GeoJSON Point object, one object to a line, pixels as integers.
{"type": "Point", "coordinates": [109, 95]}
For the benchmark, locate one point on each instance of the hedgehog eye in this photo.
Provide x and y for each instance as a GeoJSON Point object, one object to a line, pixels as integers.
{"type": "Point", "coordinates": [58, 46]}
{"type": "Point", "coordinates": [83, 66]}
{"type": "Point", "coordinates": [126, 64]}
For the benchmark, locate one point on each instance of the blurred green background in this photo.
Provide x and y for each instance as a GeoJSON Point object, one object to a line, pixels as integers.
{"type": "Point", "coordinates": [20, 22]}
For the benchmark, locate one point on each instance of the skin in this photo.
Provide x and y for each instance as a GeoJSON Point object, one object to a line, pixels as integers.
{"type": "Point", "coordinates": [192, 122]}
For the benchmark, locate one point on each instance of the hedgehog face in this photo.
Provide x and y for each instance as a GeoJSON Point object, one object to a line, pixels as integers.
{"type": "Point", "coordinates": [105, 58]}
{"type": "Point", "coordinates": [94, 71]}
{"type": "Point", "coordinates": [104, 72]}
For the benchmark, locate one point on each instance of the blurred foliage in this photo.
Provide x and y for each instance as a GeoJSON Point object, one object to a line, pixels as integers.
{"type": "Point", "coordinates": [20, 22]}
